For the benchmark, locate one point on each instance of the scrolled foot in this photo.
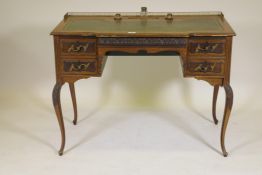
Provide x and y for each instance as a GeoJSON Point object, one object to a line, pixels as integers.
{"type": "Point", "coordinates": [60, 153]}
{"type": "Point", "coordinates": [225, 154]}
{"type": "Point", "coordinates": [74, 122]}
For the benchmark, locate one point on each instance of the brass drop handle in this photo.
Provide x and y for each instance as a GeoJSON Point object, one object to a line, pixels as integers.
{"type": "Point", "coordinates": [201, 68]}
{"type": "Point", "coordinates": [205, 67]}
{"type": "Point", "coordinates": [206, 48]}
{"type": "Point", "coordinates": [76, 47]}
{"type": "Point", "coordinates": [79, 68]}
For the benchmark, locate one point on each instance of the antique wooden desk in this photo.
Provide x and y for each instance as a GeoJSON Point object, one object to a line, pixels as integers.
{"type": "Point", "coordinates": [203, 41]}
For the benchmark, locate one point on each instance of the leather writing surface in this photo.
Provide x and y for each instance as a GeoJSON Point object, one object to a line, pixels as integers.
{"type": "Point", "coordinates": [188, 25]}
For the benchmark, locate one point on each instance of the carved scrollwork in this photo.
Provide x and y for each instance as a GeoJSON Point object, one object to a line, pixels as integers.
{"type": "Point", "coordinates": [141, 41]}
{"type": "Point", "coordinates": [211, 81]}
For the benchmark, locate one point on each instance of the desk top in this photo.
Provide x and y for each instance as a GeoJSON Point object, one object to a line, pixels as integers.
{"type": "Point", "coordinates": [144, 24]}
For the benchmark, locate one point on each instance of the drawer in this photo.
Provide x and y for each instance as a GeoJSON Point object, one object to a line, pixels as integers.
{"type": "Point", "coordinates": [207, 47]}
{"type": "Point", "coordinates": [78, 46]}
{"type": "Point", "coordinates": [202, 67]}
{"type": "Point", "coordinates": [83, 66]}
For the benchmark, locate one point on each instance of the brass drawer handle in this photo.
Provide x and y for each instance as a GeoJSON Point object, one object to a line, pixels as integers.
{"type": "Point", "coordinates": [205, 67]}
{"type": "Point", "coordinates": [78, 47]}
{"type": "Point", "coordinates": [208, 48]}
{"type": "Point", "coordinates": [79, 68]}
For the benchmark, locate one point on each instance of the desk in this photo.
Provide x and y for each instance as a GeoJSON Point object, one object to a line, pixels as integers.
{"type": "Point", "coordinates": [83, 41]}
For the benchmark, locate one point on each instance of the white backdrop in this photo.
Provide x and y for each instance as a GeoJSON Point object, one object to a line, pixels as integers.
{"type": "Point", "coordinates": [28, 59]}
{"type": "Point", "coordinates": [27, 76]}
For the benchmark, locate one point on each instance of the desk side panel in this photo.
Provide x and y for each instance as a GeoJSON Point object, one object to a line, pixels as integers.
{"type": "Point", "coordinates": [57, 57]}
{"type": "Point", "coordinates": [229, 42]}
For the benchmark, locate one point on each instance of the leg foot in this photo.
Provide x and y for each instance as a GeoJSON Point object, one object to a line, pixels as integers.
{"type": "Point", "coordinates": [227, 111]}
{"type": "Point", "coordinates": [73, 96]}
{"type": "Point", "coordinates": [59, 115]}
{"type": "Point", "coordinates": [215, 92]}
{"type": "Point", "coordinates": [74, 122]}
{"type": "Point", "coordinates": [60, 153]}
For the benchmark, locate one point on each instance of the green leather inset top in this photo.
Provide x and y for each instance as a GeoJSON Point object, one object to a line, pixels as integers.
{"type": "Point", "coordinates": [180, 25]}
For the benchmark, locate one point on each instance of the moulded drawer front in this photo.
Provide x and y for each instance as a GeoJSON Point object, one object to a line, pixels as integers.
{"type": "Point", "coordinates": [207, 47]}
{"type": "Point", "coordinates": [205, 68]}
{"type": "Point", "coordinates": [78, 46]}
{"type": "Point", "coordinates": [80, 66]}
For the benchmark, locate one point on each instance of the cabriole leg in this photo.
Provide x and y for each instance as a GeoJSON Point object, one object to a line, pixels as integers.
{"type": "Point", "coordinates": [59, 115]}
{"type": "Point", "coordinates": [228, 108]}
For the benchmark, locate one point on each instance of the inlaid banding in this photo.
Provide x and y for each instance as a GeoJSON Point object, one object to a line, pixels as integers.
{"type": "Point", "coordinates": [140, 41]}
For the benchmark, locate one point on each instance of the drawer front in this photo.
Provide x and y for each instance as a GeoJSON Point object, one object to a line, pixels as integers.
{"type": "Point", "coordinates": [205, 68]}
{"type": "Point", "coordinates": [85, 66]}
{"type": "Point", "coordinates": [208, 47]}
{"type": "Point", "coordinates": [77, 46]}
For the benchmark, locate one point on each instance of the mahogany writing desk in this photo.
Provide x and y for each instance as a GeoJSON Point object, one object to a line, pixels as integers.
{"type": "Point", "coordinates": [203, 41]}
